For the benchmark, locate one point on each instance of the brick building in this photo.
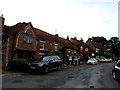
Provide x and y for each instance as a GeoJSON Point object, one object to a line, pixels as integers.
{"type": "Point", "coordinates": [23, 41]}
{"type": "Point", "coordinates": [18, 42]}
{"type": "Point", "coordinates": [47, 43]}
{"type": "Point", "coordinates": [66, 47]}
{"type": "Point", "coordinates": [83, 50]}
{"type": "Point", "coordinates": [95, 47]}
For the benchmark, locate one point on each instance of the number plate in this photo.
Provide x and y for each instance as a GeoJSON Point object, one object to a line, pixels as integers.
{"type": "Point", "coordinates": [32, 67]}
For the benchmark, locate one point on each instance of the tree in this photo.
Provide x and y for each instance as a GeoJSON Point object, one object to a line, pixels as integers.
{"type": "Point", "coordinates": [101, 40]}
{"type": "Point", "coordinates": [114, 44]}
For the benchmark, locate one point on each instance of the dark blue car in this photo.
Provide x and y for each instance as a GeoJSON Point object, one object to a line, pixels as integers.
{"type": "Point", "coordinates": [116, 70]}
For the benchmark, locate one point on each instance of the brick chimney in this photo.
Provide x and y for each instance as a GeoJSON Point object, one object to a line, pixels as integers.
{"type": "Point", "coordinates": [1, 23]}
{"type": "Point", "coordinates": [68, 38]}
{"type": "Point", "coordinates": [56, 35]}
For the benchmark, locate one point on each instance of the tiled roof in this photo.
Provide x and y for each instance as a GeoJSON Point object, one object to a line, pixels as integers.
{"type": "Point", "coordinates": [66, 43]}
{"type": "Point", "coordinates": [83, 44]}
{"type": "Point", "coordinates": [14, 29]}
{"type": "Point", "coordinates": [97, 45]}
{"type": "Point", "coordinates": [79, 42]}
{"type": "Point", "coordinates": [45, 36]}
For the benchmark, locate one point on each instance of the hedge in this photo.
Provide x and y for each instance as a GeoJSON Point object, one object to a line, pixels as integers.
{"type": "Point", "coordinates": [18, 65]}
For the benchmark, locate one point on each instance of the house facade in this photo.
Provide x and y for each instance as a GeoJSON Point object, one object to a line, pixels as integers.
{"type": "Point", "coordinates": [18, 42]}
{"type": "Point", "coordinates": [83, 50]}
{"type": "Point", "coordinates": [69, 52]}
{"type": "Point", "coordinates": [96, 48]}
{"type": "Point", "coordinates": [47, 43]}
{"type": "Point", "coordinates": [23, 41]}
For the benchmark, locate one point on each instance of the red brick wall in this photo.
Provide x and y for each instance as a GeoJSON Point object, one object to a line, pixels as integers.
{"type": "Point", "coordinates": [37, 56]}
{"type": "Point", "coordinates": [10, 47]}
{"type": "Point", "coordinates": [21, 45]}
{"type": "Point", "coordinates": [49, 46]}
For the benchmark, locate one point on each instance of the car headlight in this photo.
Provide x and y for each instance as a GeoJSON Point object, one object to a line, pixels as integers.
{"type": "Point", "coordinates": [29, 64]}
{"type": "Point", "coordinates": [40, 65]}
{"type": "Point", "coordinates": [117, 67]}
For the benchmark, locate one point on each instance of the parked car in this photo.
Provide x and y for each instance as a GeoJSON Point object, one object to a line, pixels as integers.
{"type": "Point", "coordinates": [92, 61]}
{"type": "Point", "coordinates": [110, 60]}
{"type": "Point", "coordinates": [103, 60]}
{"type": "Point", "coordinates": [46, 63]}
{"type": "Point", "coordinates": [116, 70]}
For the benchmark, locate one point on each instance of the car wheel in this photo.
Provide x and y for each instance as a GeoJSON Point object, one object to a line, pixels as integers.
{"type": "Point", "coordinates": [59, 67]}
{"type": "Point", "coordinates": [114, 75]}
{"type": "Point", "coordinates": [46, 70]}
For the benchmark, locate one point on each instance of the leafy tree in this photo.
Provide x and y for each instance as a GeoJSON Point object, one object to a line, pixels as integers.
{"type": "Point", "coordinates": [101, 40]}
{"type": "Point", "coordinates": [114, 45]}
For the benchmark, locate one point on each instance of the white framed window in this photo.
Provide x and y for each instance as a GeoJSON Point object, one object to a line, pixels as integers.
{"type": "Point", "coordinates": [97, 49]}
{"type": "Point", "coordinates": [27, 39]}
{"type": "Point", "coordinates": [86, 49]}
{"type": "Point", "coordinates": [4, 42]}
{"type": "Point", "coordinates": [69, 50]}
{"type": "Point", "coordinates": [81, 47]}
{"type": "Point", "coordinates": [42, 45]}
{"type": "Point", "coordinates": [56, 47]}
{"type": "Point", "coordinates": [74, 51]}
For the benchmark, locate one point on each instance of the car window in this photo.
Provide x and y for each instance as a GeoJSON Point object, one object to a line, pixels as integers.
{"type": "Point", "coordinates": [54, 57]}
{"type": "Point", "coordinates": [46, 58]}
{"type": "Point", "coordinates": [57, 57]}
{"type": "Point", "coordinates": [92, 59]}
{"type": "Point", "coordinates": [51, 58]}
{"type": "Point", "coordinates": [118, 64]}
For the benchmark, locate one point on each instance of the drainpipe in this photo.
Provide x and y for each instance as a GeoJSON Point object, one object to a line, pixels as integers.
{"type": "Point", "coordinates": [14, 35]}
{"type": "Point", "coordinates": [7, 54]}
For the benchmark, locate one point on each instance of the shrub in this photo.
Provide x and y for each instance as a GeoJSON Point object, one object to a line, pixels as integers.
{"type": "Point", "coordinates": [18, 64]}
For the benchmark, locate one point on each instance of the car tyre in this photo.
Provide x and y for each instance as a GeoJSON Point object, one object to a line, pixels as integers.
{"type": "Point", "coordinates": [46, 70]}
{"type": "Point", "coordinates": [114, 75]}
{"type": "Point", "coordinates": [59, 68]}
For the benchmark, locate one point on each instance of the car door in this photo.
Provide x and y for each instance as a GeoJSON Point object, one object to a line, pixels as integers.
{"type": "Point", "coordinates": [57, 61]}
{"type": "Point", "coordinates": [118, 65]}
{"type": "Point", "coordinates": [54, 62]}
{"type": "Point", "coordinates": [118, 69]}
{"type": "Point", "coordinates": [51, 62]}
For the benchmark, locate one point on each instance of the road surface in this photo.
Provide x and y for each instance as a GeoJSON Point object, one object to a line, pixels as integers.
{"type": "Point", "coordinates": [72, 76]}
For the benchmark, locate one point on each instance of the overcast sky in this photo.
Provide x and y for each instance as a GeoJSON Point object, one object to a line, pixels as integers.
{"type": "Point", "coordinates": [73, 18]}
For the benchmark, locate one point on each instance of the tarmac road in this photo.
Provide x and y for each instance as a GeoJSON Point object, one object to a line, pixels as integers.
{"type": "Point", "coordinates": [77, 76]}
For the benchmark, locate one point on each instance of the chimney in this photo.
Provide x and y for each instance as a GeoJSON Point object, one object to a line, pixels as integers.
{"type": "Point", "coordinates": [75, 38]}
{"type": "Point", "coordinates": [67, 37]}
{"type": "Point", "coordinates": [1, 23]}
{"type": "Point", "coordinates": [81, 39]}
{"type": "Point", "coordinates": [56, 35]}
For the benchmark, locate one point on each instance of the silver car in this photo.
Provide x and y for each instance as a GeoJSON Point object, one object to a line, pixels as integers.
{"type": "Point", "coordinates": [92, 61]}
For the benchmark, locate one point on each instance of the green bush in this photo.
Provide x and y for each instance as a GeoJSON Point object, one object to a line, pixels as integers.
{"type": "Point", "coordinates": [18, 64]}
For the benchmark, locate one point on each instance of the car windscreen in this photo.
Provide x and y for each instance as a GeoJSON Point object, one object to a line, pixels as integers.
{"type": "Point", "coordinates": [92, 59]}
{"type": "Point", "coordinates": [46, 58]}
